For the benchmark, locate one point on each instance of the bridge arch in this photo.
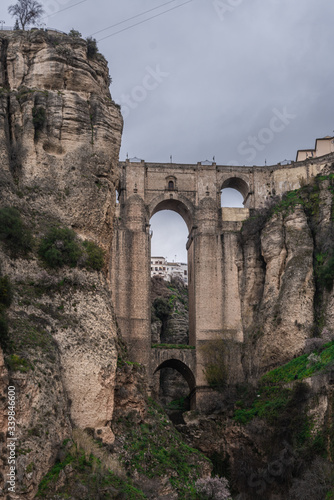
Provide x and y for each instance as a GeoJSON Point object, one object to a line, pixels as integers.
{"type": "Point", "coordinates": [182, 368]}
{"type": "Point", "coordinates": [178, 204]}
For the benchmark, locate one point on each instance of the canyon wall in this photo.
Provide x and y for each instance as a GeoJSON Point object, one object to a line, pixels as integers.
{"type": "Point", "coordinates": [284, 254]}
{"type": "Point", "coordinates": [60, 135]}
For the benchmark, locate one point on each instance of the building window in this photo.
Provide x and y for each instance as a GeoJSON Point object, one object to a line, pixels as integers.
{"type": "Point", "coordinates": [171, 185]}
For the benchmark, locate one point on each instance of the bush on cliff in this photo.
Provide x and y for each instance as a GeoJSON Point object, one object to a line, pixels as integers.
{"type": "Point", "coordinates": [162, 308]}
{"type": "Point", "coordinates": [60, 247]}
{"type": "Point", "coordinates": [94, 256]}
{"type": "Point", "coordinates": [6, 296]}
{"type": "Point", "coordinates": [92, 49]}
{"type": "Point", "coordinates": [215, 370]}
{"type": "Point", "coordinates": [13, 233]}
{"type": "Point", "coordinates": [3, 328]}
{"type": "Point", "coordinates": [38, 118]}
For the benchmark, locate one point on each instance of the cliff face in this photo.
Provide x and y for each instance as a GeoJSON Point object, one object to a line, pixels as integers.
{"type": "Point", "coordinates": [284, 253]}
{"type": "Point", "coordinates": [60, 130]}
{"type": "Point", "coordinates": [60, 135]}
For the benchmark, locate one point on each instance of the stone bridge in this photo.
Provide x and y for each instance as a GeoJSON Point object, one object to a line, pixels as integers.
{"type": "Point", "coordinates": [194, 192]}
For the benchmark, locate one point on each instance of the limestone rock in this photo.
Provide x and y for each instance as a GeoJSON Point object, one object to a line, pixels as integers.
{"type": "Point", "coordinates": [60, 136]}
{"type": "Point", "coordinates": [64, 160]}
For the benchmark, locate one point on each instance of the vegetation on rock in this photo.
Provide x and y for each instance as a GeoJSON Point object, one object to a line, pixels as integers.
{"type": "Point", "coordinates": [26, 12]}
{"type": "Point", "coordinates": [215, 368]}
{"type": "Point", "coordinates": [13, 232]}
{"type": "Point", "coordinates": [60, 247]}
{"type": "Point", "coordinates": [273, 393]}
{"type": "Point", "coordinates": [6, 297]}
{"type": "Point", "coordinates": [154, 449]}
{"type": "Point", "coordinates": [87, 473]}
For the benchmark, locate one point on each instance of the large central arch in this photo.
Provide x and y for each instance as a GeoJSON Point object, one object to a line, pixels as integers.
{"type": "Point", "coordinates": [184, 207]}
{"type": "Point", "coordinates": [177, 204]}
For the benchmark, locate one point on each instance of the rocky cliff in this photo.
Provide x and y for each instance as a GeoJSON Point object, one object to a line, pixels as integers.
{"type": "Point", "coordinates": [60, 135]}
{"type": "Point", "coordinates": [60, 131]}
{"type": "Point", "coordinates": [285, 275]}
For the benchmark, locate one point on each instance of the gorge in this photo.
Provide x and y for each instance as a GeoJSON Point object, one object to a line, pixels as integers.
{"type": "Point", "coordinates": [73, 343]}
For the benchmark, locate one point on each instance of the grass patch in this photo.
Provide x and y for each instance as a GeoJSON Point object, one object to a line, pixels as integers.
{"type": "Point", "coordinates": [156, 449]}
{"type": "Point", "coordinates": [16, 363]}
{"type": "Point", "coordinates": [300, 368]}
{"type": "Point", "coordinates": [272, 394]}
{"type": "Point", "coordinates": [90, 472]}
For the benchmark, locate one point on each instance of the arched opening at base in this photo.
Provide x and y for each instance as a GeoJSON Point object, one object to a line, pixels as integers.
{"type": "Point", "coordinates": [174, 383]}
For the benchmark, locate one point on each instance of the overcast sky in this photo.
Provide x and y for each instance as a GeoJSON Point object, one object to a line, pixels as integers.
{"type": "Point", "coordinates": [206, 78]}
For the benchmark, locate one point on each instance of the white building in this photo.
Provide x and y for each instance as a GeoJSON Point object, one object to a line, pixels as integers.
{"type": "Point", "coordinates": [168, 270]}
{"type": "Point", "coordinates": [323, 146]}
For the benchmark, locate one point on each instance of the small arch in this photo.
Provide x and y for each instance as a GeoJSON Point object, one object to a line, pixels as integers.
{"type": "Point", "coordinates": [234, 192]}
{"type": "Point", "coordinates": [182, 368]}
{"type": "Point", "coordinates": [238, 184]}
{"type": "Point", "coordinates": [170, 185]}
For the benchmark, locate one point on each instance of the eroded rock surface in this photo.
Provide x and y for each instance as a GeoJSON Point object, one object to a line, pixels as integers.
{"type": "Point", "coordinates": [60, 136]}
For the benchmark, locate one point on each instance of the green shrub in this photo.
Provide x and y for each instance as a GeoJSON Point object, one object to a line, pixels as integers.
{"type": "Point", "coordinates": [74, 33]}
{"type": "Point", "coordinates": [60, 247]}
{"type": "Point", "coordinates": [6, 291]}
{"type": "Point", "coordinates": [16, 363]}
{"type": "Point", "coordinates": [38, 118]}
{"type": "Point", "coordinates": [94, 256]}
{"type": "Point", "coordinates": [215, 369]}
{"type": "Point", "coordinates": [13, 233]}
{"type": "Point", "coordinates": [3, 328]}
{"type": "Point", "coordinates": [325, 272]}
{"type": "Point", "coordinates": [92, 49]}
{"type": "Point", "coordinates": [162, 308]}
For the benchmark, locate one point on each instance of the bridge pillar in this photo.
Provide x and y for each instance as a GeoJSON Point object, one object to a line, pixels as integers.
{"type": "Point", "coordinates": [208, 312]}
{"type": "Point", "coordinates": [130, 278]}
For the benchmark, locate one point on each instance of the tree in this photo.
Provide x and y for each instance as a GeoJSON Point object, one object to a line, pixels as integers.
{"type": "Point", "coordinates": [74, 33]}
{"type": "Point", "coordinates": [26, 11]}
